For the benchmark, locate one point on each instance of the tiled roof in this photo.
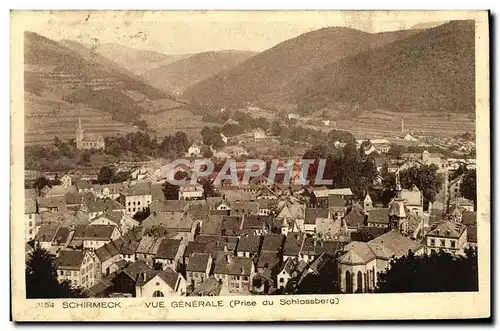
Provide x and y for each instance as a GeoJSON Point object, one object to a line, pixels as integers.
{"type": "Point", "coordinates": [244, 208]}
{"type": "Point", "coordinates": [396, 242]}
{"type": "Point", "coordinates": [268, 260]}
{"type": "Point", "coordinates": [230, 265]}
{"type": "Point", "coordinates": [249, 243]}
{"type": "Point", "coordinates": [198, 262]}
{"type": "Point", "coordinates": [168, 249]}
{"type": "Point", "coordinates": [46, 233]}
{"type": "Point", "coordinates": [256, 221]}
{"type": "Point", "coordinates": [69, 259]}
{"type": "Point", "coordinates": [313, 213]}
{"type": "Point", "coordinates": [210, 287]}
{"type": "Point", "coordinates": [336, 201]}
{"type": "Point", "coordinates": [378, 215]}
{"type": "Point", "coordinates": [148, 245]}
{"type": "Point", "coordinates": [293, 243]}
{"type": "Point", "coordinates": [170, 277]}
{"type": "Point", "coordinates": [51, 202]}
{"type": "Point", "coordinates": [93, 232]}
{"type": "Point", "coordinates": [355, 218]}
{"type": "Point", "coordinates": [194, 247]}
{"type": "Point", "coordinates": [272, 242]}
{"type": "Point", "coordinates": [447, 229]}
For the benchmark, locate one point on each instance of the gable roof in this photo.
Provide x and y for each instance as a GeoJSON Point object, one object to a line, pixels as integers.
{"type": "Point", "coordinates": [272, 242]}
{"type": "Point", "coordinates": [198, 262]}
{"type": "Point", "coordinates": [229, 265]}
{"type": "Point", "coordinates": [70, 259]}
{"type": "Point", "coordinates": [313, 213]}
{"type": "Point", "coordinates": [249, 243]}
{"type": "Point", "coordinates": [355, 218]}
{"type": "Point", "coordinates": [378, 215]}
{"type": "Point", "coordinates": [293, 243]}
{"type": "Point", "coordinates": [447, 229]}
{"type": "Point", "coordinates": [93, 232]}
{"type": "Point", "coordinates": [168, 249]}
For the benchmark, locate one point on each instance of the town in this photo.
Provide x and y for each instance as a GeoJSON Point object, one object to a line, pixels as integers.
{"type": "Point", "coordinates": [120, 229]}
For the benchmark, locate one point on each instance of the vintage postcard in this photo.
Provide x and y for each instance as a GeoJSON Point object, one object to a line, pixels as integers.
{"type": "Point", "coordinates": [250, 165]}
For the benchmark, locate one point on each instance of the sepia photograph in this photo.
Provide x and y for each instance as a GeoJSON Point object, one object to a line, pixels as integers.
{"type": "Point", "coordinates": [212, 165]}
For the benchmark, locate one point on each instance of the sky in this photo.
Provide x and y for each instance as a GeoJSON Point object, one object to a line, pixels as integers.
{"type": "Point", "coordinates": [196, 31]}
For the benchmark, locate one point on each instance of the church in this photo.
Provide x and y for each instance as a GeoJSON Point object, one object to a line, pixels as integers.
{"type": "Point", "coordinates": [87, 142]}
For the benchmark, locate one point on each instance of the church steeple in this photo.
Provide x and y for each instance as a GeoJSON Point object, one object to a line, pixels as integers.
{"type": "Point", "coordinates": [398, 185]}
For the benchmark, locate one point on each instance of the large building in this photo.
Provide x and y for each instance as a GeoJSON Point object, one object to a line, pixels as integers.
{"type": "Point", "coordinates": [87, 142]}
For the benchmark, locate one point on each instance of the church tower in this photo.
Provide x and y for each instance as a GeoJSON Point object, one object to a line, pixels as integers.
{"type": "Point", "coordinates": [397, 210]}
{"type": "Point", "coordinates": [79, 135]}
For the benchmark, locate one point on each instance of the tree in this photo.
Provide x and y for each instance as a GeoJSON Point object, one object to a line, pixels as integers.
{"type": "Point", "coordinates": [105, 175]}
{"type": "Point", "coordinates": [141, 215]}
{"type": "Point", "coordinates": [425, 178]}
{"type": "Point", "coordinates": [208, 188]}
{"type": "Point", "coordinates": [468, 188]}
{"type": "Point", "coordinates": [437, 272]}
{"type": "Point", "coordinates": [41, 278]}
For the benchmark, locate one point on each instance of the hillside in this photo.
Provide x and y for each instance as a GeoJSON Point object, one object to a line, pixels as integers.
{"type": "Point", "coordinates": [433, 70]}
{"type": "Point", "coordinates": [179, 75]}
{"type": "Point", "coordinates": [135, 60]}
{"type": "Point", "coordinates": [265, 77]}
{"type": "Point", "coordinates": [63, 83]}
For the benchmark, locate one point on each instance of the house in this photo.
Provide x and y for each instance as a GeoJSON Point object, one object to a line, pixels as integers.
{"type": "Point", "coordinates": [447, 236]}
{"type": "Point", "coordinates": [337, 205]}
{"type": "Point", "coordinates": [293, 245]}
{"type": "Point", "coordinates": [159, 284]}
{"type": "Point", "coordinates": [191, 192]}
{"type": "Point", "coordinates": [294, 212]}
{"type": "Point", "coordinates": [327, 228]}
{"type": "Point", "coordinates": [198, 269]}
{"type": "Point", "coordinates": [257, 225]}
{"type": "Point", "coordinates": [83, 186]}
{"type": "Point", "coordinates": [136, 198]}
{"type": "Point", "coordinates": [273, 243]}
{"type": "Point", "coordinates": [367, 203]}
{"type": "Point", "coordinates": [93, 208]}
{"type": "Point", "coordinates": [52, 237]}
{"type": "Point", "coordinates": [414, 200]}
{"type": "Point", "coordinates": [259, 134]}
{"type": "Point", "coordinates": [77, 267]}
{"type": "Point", "coordinates": [180, 222]}
{"type": "Point", "coordinates": [58, 190]}
{"type": "Point", "coordinates": [355, 219]}
{"type": "Point", "coordinates": [241, 208]}
{"type": "Point", "coordinates": [378, 217]}
{"type": "Point", "coordinates": [234, 272]}
{"type": "Point", "coordinates": [94, 236]}
{"type": "Point", "coordinates": [210, 287]}
{"type": "Point", "coordinates": [170, 252]}
{"type": "Point", "coordinates": [57, 203]}
{"type": "Point", "coordinates": [31, 218]}
{"type": "Point", "coordinates": [147, 249]}
{"type": "Point", "coordinates": [360, 263]}
{"type": "Point", "coordinates": [111, 191]}
{"type": "Point", "coordinates": [287, 272]}
{"type": "Point", "coordinates": [118, 218]}
{"type": "Point", "coordinates": [126, 279]}
{"type": "Point", "coordinates": [248, 245]}
{"type": "Point", "coordinates": [265, 206]}
{"type": "Point", "coordinates": [308, 250]}
{"type": "Point", "coordinates": [311, 218]}
{"type": "Point", "coordinates": [269, 262]}
{"type": "Point", "coordinates": [107, 255]}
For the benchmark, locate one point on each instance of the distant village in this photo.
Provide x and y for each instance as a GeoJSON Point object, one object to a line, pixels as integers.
{"type": "Point", "coordinates": [126, 239]}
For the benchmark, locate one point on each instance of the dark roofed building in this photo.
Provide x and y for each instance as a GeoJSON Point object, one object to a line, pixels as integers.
{"type": "Point", "coordinates": [235, 273]}
{"type": "Point", "coordinates": [170, 252]}
{"type": "Point", "coordinates": [273, 242]}
{"type": "Point", "coordinates": [293, 244]}
{"type": "Point", "coordinates": [378, 217]}
{"type": "Point", "coordinates": [248, 245]}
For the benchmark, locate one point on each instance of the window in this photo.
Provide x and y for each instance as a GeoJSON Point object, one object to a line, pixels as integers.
{"type": "Point", "coordinates": [129, 204]}
{"type": "Point", "coordinates": [443, 243]}
{"type": "Point", "coordinates": [29, 216]}
{"type": "Point", "coordinates": [133, 209]}
{"type": "Point", "coordinates": [245, 278]}
{"type": "Point", "coordinates": [129, 208]}
{"type": "Point", "coordinates": [158, 294]}
{"type": "Point", "coordinates": [433, 243]}
{"type": "Point", "coordinates": [134, 203]}
{"type": "Point", "coordinates": [138, 203]}
{"type": "Point", "coordinates": [452, 243]}
{"type": "Point", "coordinates": [31, 231]}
